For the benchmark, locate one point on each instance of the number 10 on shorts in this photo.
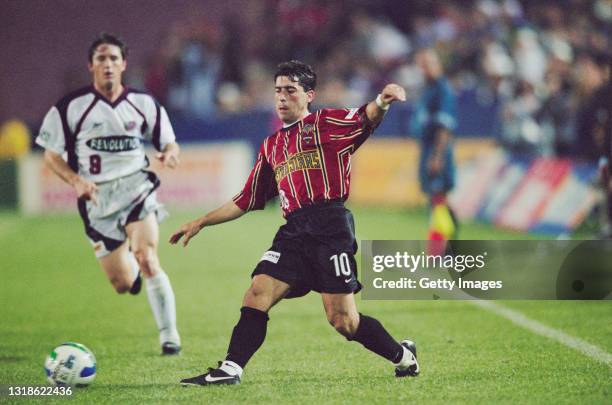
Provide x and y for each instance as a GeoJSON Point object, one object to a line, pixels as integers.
{"type": "Point", "coordinates": [341, 264]}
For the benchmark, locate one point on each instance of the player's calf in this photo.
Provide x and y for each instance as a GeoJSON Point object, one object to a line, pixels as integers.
{"type": "Point", "coordinates": [346, 324]}
{"type": "Point", "coordinates": [374, 337]}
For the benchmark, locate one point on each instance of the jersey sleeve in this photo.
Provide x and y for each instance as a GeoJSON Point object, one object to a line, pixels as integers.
{"type": "Point", "coordinates": [51, 135]}
{"type": "Point", "coordinates": [260, 185]}
{"type": "Point", "coordinates": [347, 126]}
{"type": "Point", "coordinates": [161, 131]}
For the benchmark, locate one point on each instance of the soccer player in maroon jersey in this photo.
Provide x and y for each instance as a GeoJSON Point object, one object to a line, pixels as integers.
{"type": "Point", "coordinates": [307, 163]}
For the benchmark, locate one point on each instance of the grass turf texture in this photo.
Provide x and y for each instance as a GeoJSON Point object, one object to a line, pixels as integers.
{"type": "Point", "coordinates": [53, 291]}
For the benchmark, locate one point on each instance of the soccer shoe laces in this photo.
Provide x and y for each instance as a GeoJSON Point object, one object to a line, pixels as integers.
{"type": "Point", "coordinates": [215, 368]}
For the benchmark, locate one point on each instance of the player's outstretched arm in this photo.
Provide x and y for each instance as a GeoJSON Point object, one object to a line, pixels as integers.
{"type": "Point", "coordinates": [376, 109]}
{"type": "Point", "coordinates": [170, 155]}
{"type": "Point", "coordinates": [84, 189]}
{"type": "Point", "coordinates": [227, 212]}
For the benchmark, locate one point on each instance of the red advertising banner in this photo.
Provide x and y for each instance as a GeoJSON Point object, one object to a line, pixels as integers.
{"type": "Point", "coordinates": [530, 198]}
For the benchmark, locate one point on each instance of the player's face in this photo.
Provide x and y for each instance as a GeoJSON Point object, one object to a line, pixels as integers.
{"type": "Point", "coordinates": [291, 100]}
{"type": "Point", "coordinates": [429, 63]}
{"type": "Point", "coordinates": [107, 66]}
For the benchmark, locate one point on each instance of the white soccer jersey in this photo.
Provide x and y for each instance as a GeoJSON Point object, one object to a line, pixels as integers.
{"type": "Point", "coordinates": [104, 140]}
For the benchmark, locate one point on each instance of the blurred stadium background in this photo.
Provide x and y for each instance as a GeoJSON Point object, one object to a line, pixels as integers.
{"type": "Point", "coordinates": [530, 78]}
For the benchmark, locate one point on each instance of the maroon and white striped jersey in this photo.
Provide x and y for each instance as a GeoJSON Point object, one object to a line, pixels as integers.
{"type": "Point", "coordinates": [308, 162]}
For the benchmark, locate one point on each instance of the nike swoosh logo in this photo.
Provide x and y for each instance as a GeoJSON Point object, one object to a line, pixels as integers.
{"type": "Point", "coordinates": [208, 378]}
{"type": "Point", "coordinates": [348, 281]}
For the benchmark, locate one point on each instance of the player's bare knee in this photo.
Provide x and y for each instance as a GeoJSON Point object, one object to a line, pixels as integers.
{"type": "Point", "coordinates": [255, 296]}
{"type": "Point", "coordinates": [258, 297]}
{"type": "Point", "coordinates": [147, 260]}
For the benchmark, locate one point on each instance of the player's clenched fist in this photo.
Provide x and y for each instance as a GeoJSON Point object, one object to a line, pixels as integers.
{"type": "Point", "coordinates": [188, 231]}
{"type": "Point", "coordinates": [170, 156]}
{"type": "Point", "coordinates": [393, 92]}
{"type": "Point", "coordinates": [86, 189]}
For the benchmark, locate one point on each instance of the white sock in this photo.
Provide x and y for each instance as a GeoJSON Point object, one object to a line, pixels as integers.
{"type": "Point", "coordinates": [231, 368]}
{"type": "Point", "coordinates": [161, 299]}
{"type": "Point", "coordinates": [133, 265]}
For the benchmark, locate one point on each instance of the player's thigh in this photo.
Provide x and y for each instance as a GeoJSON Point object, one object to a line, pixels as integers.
{"type": "Point", "coordinates": [143, 233]}
{"type": "Point", "coordinates": [265, 291]}
{"type": "Point", "coordinates": [117, 267]}
{"type": "Point", "coordinates": [144, 237]}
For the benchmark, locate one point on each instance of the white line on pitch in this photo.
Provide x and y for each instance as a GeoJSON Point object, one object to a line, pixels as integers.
{"type": "Point", "coordinates": [536, 327]}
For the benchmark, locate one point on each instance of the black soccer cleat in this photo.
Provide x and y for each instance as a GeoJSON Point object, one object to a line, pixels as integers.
{"type": "Point", "coordinates": [136, 285]}
{"type": "Point", "coordinates": [408, 367]}
{"type": "Point", "coordinates": [170, 349]}
{"type": "Point", "coordinates": [215, 376]}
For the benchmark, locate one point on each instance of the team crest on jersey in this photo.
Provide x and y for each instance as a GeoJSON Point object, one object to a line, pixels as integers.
{"type": "Point", "coordinates": [130, 125]}
{"type": "Point", "coordinates": [114, 143]}
{"type": "Point", "coordinates": [44, 135]}
{"type": "Point", "coordinates": [307, 133]}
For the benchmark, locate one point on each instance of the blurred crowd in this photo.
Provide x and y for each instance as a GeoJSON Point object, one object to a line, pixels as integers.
{"type": "Point", "coordinates": [545, 65]}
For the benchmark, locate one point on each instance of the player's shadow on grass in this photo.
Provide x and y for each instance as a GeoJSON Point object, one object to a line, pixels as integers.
{"type": "Point", "coordinates": [136, 386]}
{"type": "Point", "coordinates": [312, 379]}
{"type": "Point", "coordinates": [12, 359]}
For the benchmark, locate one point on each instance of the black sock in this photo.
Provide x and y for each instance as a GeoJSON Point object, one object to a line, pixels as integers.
{"type": "Point", "coordinates": [373, 336]}
{"type": "Point", "coordinates": [248, 335]}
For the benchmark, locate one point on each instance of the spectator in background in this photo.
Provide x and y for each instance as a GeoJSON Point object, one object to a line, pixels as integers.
{"type": "Point", "coordinates": [593, 125]}
{"type": "Point", "coordinates": [556, 116]}
{"type": "Point", "coordinates": [196, 69]}
{"type": "Point", "coordinates": [380, 40]}
{"type": "Point", "coordinates": [508, 53]}
{"type": "Point", "coordinates": [520, 131]}
{"type": "Point", "coordinates": [433, 122]}
{"type": "Point", "coordinates": [530, 58]}
{"type": "Point", "coordinates": [593, 108]}
{"type": "Point", "coordinates": [303, 27]}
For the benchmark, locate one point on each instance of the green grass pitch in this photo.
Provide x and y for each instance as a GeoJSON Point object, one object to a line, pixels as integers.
{"type": "Point", "coordinates": [53, 291]}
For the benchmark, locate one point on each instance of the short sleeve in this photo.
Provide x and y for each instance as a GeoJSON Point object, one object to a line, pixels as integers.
{"type": "Point", "coordinates": [260, 185]}
{"type": "Point", "coordinates": [51, 134]}
{"type": "Point", "coordinates": [161, 132]}
{"type": "Point", "coordinates": [347, 126]}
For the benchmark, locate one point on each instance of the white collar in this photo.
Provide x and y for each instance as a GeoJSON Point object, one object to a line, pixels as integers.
{"type": "Point", "coordinates": [293, 123]}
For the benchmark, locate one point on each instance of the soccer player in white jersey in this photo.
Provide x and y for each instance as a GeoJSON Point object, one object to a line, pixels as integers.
{"type": "Point", "coordinates": [101, 129]}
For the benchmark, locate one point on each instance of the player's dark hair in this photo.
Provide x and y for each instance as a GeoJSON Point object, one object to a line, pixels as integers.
{"type": "Point", "coordinates": [298, 72]}
{"type": "Point", "coordinates": [111, 39]}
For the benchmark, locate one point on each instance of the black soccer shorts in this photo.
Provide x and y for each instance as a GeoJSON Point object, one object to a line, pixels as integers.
{"type": "Point", "coordinates": [315, 250]}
